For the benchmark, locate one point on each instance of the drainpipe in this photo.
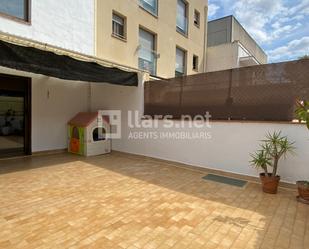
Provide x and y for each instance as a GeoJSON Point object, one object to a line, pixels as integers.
{"type": "Point", "coordinates": [89, 97]}
{"type": "Point", "coordinates": [205, 39]}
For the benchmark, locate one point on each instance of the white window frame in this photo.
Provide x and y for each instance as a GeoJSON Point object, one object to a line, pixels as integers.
{"type": "Point", "coordinates": [124, 26]}
{"type": "Point", "coordinates": [184, 63]}
{"type": "Point", "coordinates": [186, 20]}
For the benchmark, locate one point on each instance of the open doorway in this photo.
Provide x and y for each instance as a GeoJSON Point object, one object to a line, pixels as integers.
{"type": "Point", "coordinates": [15, 115]}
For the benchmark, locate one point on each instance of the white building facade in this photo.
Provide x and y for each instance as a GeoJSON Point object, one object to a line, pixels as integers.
{"type": "Point", "coordinates": [67, 24]}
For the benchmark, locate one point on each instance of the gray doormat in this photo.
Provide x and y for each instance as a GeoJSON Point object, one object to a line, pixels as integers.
{"type": "Point", "coordinates": [225, 180]}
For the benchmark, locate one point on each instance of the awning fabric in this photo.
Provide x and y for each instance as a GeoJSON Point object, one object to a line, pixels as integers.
{"type": "Point", "coordinates": [38, 61]}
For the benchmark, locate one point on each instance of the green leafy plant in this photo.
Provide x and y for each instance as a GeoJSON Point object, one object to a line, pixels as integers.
{"type": "Point", "coordinates": [261, 159]}
{"type": "Point", "coordinates": [273, 148]}
{"type": "Point", "coordinates": [302, 111]}
{"type": "Point", "coordinates": [303, 57]}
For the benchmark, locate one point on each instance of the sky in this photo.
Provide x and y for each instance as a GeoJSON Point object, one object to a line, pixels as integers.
{"type": "Point", "coordinates": [280, 27]}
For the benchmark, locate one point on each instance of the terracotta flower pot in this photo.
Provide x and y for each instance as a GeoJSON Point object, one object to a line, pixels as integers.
{"type": "Point", "coordinates": [270, 183]}
{"type": "Point", "coordinates": [303, 191]}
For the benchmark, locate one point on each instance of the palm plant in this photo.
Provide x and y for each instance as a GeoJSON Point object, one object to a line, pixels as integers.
{"type": "Point", "coordinates": [274, 147]}
{"type": "Point", "coordinates": [261, 159]}
{"type": "Point", "coordinates": [277, 146]}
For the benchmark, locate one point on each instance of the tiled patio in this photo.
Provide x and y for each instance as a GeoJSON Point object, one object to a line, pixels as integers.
{"type": "Point", "coordinates": [124, 201]}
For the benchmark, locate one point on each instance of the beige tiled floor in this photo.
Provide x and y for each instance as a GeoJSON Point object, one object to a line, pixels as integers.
{"type": "Point", "coordinates": [125, 201]}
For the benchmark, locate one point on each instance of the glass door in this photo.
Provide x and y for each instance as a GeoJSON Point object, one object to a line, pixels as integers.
{"type": "Point", "coordinates": [12, 122]}
{"type": "Point", "coordinates": [15, 115]}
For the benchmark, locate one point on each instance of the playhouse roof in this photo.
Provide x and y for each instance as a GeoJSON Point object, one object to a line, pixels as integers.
{"type": "Point", "coordinates": [83, 119]}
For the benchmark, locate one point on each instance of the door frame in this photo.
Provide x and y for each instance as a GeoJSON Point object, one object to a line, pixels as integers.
{"type": "Point", "coordinates": [23, 84]}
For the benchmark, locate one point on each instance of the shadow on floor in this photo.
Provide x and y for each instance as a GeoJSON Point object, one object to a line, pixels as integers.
{"type": "Point", "coordinates": [181, 180]}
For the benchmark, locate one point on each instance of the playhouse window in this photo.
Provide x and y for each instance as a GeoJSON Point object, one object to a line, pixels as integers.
{"type": "Point", "coordinates": [99, 134]}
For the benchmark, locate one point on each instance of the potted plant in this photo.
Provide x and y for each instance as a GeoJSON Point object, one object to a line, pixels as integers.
{"type": "Point", "coordinates": [302, 113]}
{"type": "Point", "coordinates": [273, 148]}
{"type": "Point", "coordinates": [9, 117]}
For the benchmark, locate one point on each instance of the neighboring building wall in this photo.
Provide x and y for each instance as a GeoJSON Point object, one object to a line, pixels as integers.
{"type": "Point", "coordinates": [222, 57]}
{"type": "Point", "coordinates": [240, 34]}
{"type": "Point", "coordinates": [226, 39]}
{"type": "Point", "coordinates": [228, 149]}
{"type": "Point", "coordinates": [68, 24]}
{"type": "Point", "coordinates": [163, 26]}
{"type": "Point", "coordinates": [219, 31]}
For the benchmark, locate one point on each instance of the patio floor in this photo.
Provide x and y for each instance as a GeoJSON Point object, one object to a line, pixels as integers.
{"type": "Point", "coordinates": [125, 201]}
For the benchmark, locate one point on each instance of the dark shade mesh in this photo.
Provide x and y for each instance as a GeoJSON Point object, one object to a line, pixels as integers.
{"type": "Point", "coordinates": [257, 93]}
{"type": "Point", "coordinates": [37, 61]}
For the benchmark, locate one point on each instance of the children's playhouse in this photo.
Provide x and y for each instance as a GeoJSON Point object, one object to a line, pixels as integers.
{"type": "Point", "coordinates": [86, 136]}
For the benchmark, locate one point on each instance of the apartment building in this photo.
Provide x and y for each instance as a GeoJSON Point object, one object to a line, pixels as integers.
{"type": "Point", "coordinates": [49, 59]}
{"type": "Point", "coordinates": [230, 46]}
{"type": "Point", "coordinates": [167, 38]}
{"type": "Point", "coordinates": [47, 72]}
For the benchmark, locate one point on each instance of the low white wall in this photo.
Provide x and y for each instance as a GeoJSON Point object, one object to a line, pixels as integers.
{"type": "Point", "coordinates": [227, 150]}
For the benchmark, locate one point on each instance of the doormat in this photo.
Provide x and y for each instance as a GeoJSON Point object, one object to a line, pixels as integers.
{"type": "Point", "coordinates": [225, 180]}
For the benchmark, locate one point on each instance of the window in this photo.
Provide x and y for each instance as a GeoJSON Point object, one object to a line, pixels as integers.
{"type": "Point", "coordinates": [182, 20]}
{"type": "Point", "coordinates": [18, 9]}
{"type": "Point", "coordinates": [197, 18]}
{"type": "Point", "coordinates": [119, 26]}
{"type": "Point", "coordinates": [180, 62]}
{"type": "Point", "coordinates": [195, 62]}
{"type": "Point", "coordinates": [147, 55]}
{"type": "Point", "coordinates": [150, 5]}
{"type": "Point", "coordinates": [99, 134]}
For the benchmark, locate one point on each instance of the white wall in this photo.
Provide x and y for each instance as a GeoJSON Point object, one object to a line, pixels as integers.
{"type": "Point", "coordinates": [68, 24]}
{"type": "Point", "coordinates": [227, 150]}
{"type": "Point", "coordinates": [54, 103]}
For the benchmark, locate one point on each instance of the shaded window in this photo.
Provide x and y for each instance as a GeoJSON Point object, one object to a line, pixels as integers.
{"type": "Point", "coordinates": [180, 62]}
{"type": "Point", "coordinates": [19, 9]}
{"type": "Point", "coordinates": [182, 20]}
{"type": "Point", "coordinates": [195, 62]}
{"type": "Point", "coordinates": [99, 134]}
{"type": "Point", "coordinates": [147, 55]}
{"type": "Point", "coordinates": [197, 18]}
{"type": "Point", "coordinates": [119, 26]}
{"type": "Point", "coordinates": [150, 5]}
